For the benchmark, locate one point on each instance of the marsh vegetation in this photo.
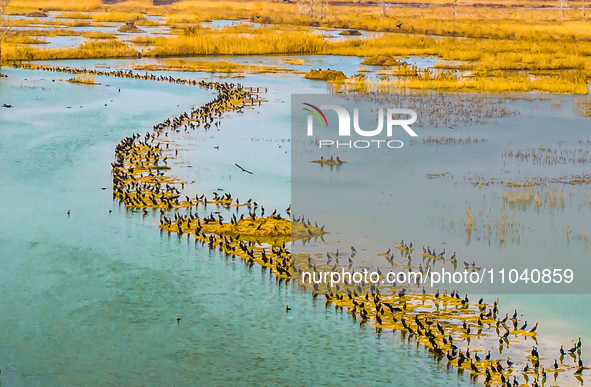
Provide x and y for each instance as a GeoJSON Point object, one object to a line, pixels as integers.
{"type": "Point", "coordinates": [501, 47]}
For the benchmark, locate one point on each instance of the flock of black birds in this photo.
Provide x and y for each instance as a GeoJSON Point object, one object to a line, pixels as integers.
{"type": "Point", "coordinates": [143, 153]}
{"type": "Point", "coordinates": [447, 324]}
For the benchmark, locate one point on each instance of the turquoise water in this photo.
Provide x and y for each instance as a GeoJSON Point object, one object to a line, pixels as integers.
{"type": "Point", "coordinates": [92, 299]}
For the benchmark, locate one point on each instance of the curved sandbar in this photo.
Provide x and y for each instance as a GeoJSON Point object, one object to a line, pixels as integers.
{"type": "Point", "coordinates": [447, 325]}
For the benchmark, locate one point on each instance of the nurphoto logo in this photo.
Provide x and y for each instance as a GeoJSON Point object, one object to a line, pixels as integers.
{"type": "Point", "coordinates": [393, 119]}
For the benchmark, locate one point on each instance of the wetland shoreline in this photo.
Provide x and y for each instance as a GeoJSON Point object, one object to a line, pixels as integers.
{"type": "Point", "coordinates": [391, 311]}
{"type": "Point", "coordinates": [454, 331]}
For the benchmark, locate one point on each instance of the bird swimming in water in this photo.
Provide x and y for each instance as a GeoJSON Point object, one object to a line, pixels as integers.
{"type": "Point", "coordinates": [287, 308]}
{"type": "Point", "coordinates": [178, 319]}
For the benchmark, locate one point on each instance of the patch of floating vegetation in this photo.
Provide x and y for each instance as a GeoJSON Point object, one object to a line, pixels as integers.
{"type": "Point", "coordinates": [547, 155]}
{"type": "Point", "coordinates": [433, 108]}
{"type": "Point", "coordinates": [330, 161]}
{"type": "Point", "coordinates": [504, 227]}
{"type": "Point", "coordinates": [582, 107]}
{"type": "Point", "coordinates": [437, 175]}
{"type": "Point", "coordinates": [536, 198]}
{"type": "Point", "coordinates": [486, 226]}
{"type": "Point", "coordinates": [447, 325]}
{"type": "Point", "coordinates": [326, 75]}
{"type": "Point", "coordinates": [574, 179]}
{"type": "Point", "coordinates": [293, 61]}
{"type": "Point", "coordinates": [453, 140]}
{"type": "Point", "coordinates": [85, 79]}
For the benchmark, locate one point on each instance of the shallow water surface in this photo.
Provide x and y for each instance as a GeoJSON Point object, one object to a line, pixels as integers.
{"type": "Point", "coordinates": [92, 299]}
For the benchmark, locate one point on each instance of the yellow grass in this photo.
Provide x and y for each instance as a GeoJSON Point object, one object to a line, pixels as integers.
{"type": "Point", "coordinates": [142, 39]}
{"type": "Point", "coordinates": [122, 17]}
{"type": "Point", "coordinates": [15, 6]}
{"type": "Point", "coordinates": [558, 83]}
{"type": "Point", "coordinates": [87, 79]}
{"type": "Point", "coordinates": [512, 23]}
{"type": "Point", "coordinates": [111, 49]}
{"type": "Point", "coordinates": [210, 67]}
{"type": "Point", "coordinates": [74, 15]}
{"type": "Point", "coordinates": [98, 35]}
{"type": "Point", "coordinates": [502, 49]}
{"type": "Point", "coordinates": [238, 44]}
{"type": "Point", "coordinates": [184, 19]}
{"type": "Point", "coordinates": [16, 39]}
